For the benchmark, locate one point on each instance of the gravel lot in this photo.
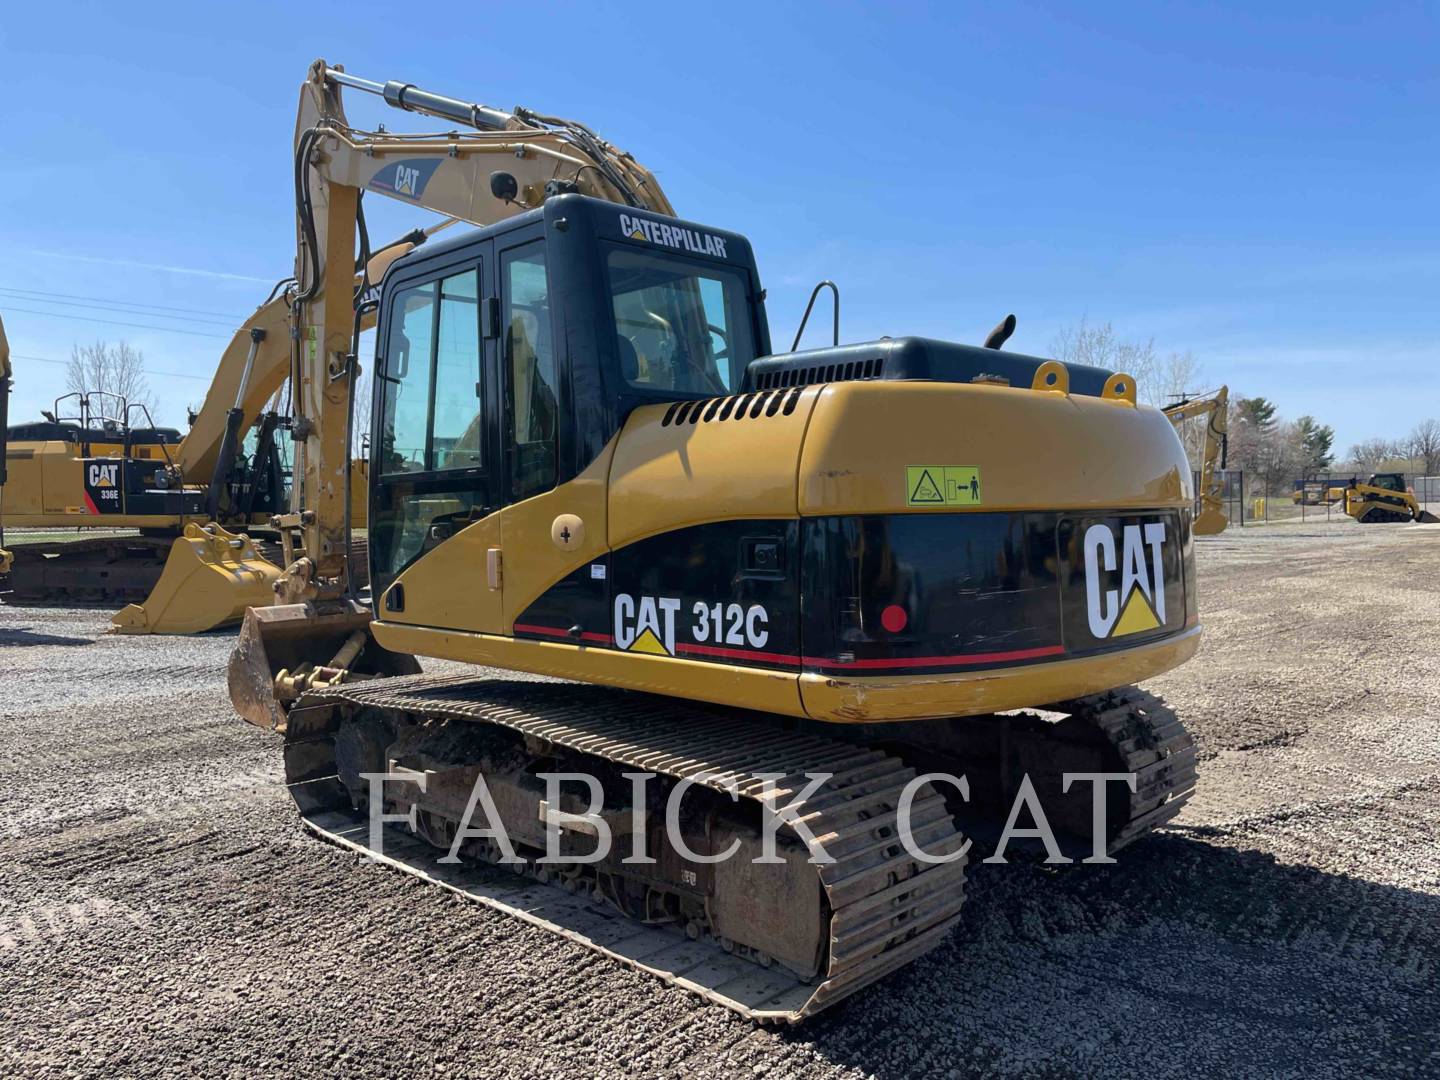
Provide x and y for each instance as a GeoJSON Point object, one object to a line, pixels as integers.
{"type": "Point", "coordinates": [161, 911]}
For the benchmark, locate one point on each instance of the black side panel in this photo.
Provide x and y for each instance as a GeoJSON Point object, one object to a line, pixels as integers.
{"type": "Point", "coordinates": [918, 592]}
{"type": "Point", "coordinates": [928, 593]}
{"type": "Point", "coordinates": [902, 594]}
{"type": "Point", "coordinates": [575, 609]}
{"type": "Point", "coordinates": [725, 592]}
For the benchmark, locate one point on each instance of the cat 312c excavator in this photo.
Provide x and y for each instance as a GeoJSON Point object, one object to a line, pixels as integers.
{"type": "Point", "coordinates": [772, 581]}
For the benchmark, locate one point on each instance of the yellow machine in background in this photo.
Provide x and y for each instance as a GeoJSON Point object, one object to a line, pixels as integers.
{"type": "Point", "coordinates": [155, 535]}
{"type": "Point", "coordinates": [1215, 407]}
{"type": "Point", "coordinates": [1384, 497]}
{"type": "Point", "coordinates": [798, 579]}
{"type": "Point", "coordinates": [99, 463]}
{"type": "Point", "coordinates": [1316, 493]}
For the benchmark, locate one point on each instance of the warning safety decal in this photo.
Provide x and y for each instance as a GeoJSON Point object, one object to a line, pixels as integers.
{"type": "Point", "coordinates": [942, 485]}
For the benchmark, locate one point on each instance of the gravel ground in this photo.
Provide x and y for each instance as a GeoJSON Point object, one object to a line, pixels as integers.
{"type": "Point", "coordinates": [161, 911]}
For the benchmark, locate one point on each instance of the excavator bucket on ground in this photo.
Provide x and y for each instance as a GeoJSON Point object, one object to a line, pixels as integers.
{"type": "Point", "coordinates": [1211, 521]}
{"type": "Point", "coordinates": [211, 576]}
{"type": "Point", "coordinates": [287, 649]}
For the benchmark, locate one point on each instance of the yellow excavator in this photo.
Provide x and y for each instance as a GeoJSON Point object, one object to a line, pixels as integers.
{"type": "Point", "coordinates": [98, 462]}
{"type": "Point", "coordinates": [89, 465]}
{"type": "Point", "coordinates": [787, 590]}
{"type": "Point", "coordinates": [1215, 407]}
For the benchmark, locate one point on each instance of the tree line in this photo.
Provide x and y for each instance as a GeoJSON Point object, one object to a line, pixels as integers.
{"type": "Point", "coordinates": [1272, 451]}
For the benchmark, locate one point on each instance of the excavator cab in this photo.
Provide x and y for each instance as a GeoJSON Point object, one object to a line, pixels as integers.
{"type": "Point", "coordinates": [508, 359]}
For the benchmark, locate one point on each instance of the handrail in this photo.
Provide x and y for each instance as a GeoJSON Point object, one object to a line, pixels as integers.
{"type": "Point", "coordinates": [806, 317]}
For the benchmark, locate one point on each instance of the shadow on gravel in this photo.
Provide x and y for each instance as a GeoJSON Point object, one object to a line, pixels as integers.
{"type": "Point", "coordinates": [25, 637]}
{"type": "Point", "coordinates": [1174, 961]}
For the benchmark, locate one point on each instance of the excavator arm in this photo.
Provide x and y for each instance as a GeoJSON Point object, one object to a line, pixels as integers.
{"type": "Point", "coordinates": [495, 165]}
{"type": "Point", "coordinates": [1215, 408]}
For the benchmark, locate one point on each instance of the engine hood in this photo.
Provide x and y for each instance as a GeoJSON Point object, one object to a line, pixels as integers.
{"type": "Point", "coordinates": [911, 359]}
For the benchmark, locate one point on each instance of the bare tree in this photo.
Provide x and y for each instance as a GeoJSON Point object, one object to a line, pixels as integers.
{"type": "Point", "coordinates": [1159, 380]}
{"type": "Point", "coordinates": [1424, 446]}
{"type": "Point", "coordinates": [1368, 456]}
{"type": "Point", "coordinates": [1176, 376]}
{"type": "Point", "coordinates": [113, 369]}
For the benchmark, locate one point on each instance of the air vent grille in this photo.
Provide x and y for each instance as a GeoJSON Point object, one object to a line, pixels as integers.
{"type": "Point", "coordinates": [849, 371]}
{"type": "Point", "coordinates": [735, 407]}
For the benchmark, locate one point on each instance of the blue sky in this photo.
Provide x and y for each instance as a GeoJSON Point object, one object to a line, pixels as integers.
{"type": "Point", "coordinates": [1254, 183]}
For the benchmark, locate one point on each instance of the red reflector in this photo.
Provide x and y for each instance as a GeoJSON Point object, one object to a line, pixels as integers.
{"type": "Point", "coordinates": [894, 618]}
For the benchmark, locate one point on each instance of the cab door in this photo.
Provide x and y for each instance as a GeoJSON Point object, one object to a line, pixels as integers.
{"type": "Point", "coordinates": [553, 527]}
{"type": "Point", "coordinates": [434, 492]}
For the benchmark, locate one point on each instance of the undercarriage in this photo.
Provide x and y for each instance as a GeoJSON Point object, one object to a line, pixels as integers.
{"type": "Point", "coordinates": [777, 939]}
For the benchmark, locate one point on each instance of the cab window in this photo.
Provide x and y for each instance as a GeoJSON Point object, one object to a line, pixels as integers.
{"type": "Point", "coordinates": [683, 327]}
{"type": "Point", "coordinates": [529, 364]}
{"type": "Point", "coordinates": [432, 405]}
{"type": "Point", "coordinates": [428, 470]}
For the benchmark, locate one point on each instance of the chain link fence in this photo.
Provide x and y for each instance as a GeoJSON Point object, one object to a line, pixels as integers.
{"type": "Point", "coordinates": [1427, 490]}
{"type": "Point", "coordinates": [1234, 495]}
{"type": "Point", "coordinates": [1314, 498]}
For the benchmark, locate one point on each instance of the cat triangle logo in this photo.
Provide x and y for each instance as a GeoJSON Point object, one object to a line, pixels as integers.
{"type": "Point", "coordinates": [926, 490]}
{"type": "Point", "coordinates": [647, 642]}
{"type": "Point", "coordinates": [1137, 616]}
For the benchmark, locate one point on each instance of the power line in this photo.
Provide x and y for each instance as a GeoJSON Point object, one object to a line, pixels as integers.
{"type": "Point", "coordinates": [119, 310]}
{"type": "Point", "coordinates": [126, 303]}
{"type": "Point", "coordinates": [114, 322]}
{"type": "Point", "coordinates": [148, 371]}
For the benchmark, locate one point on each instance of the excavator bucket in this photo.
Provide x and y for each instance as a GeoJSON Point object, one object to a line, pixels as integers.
{"type": "Point", "coordinates": [287, 649]}
{"type": "Point", "coordinates": [210, 577]}
{"type": "Point", "coordinates": [1210, 522]}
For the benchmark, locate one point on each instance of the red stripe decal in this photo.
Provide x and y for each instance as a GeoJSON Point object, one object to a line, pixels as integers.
{"type": "Point", "coordinates": [818, 661]}
{"type": "Point", "coordinates": [556, 632]}
{"type": "Point", "coordinates": [738, 654]}
{"type": "Point", "coordinates": [937, 661]}
{"type": "Point", "coordinates": [90, 504]}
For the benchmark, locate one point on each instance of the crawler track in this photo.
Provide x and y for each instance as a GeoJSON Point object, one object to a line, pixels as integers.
{"type": "Point", "coordinates": [883, 907]}
{"type": "Point", "coordinates": [111, 570]}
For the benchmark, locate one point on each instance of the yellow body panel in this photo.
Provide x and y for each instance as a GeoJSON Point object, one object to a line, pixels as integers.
{"type": "Point", "coordinates": [669, 476]}
{"type": "Point", "coordinates": [1035, 450]}
{"type": "Point", "coordinates": [535, 561]}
